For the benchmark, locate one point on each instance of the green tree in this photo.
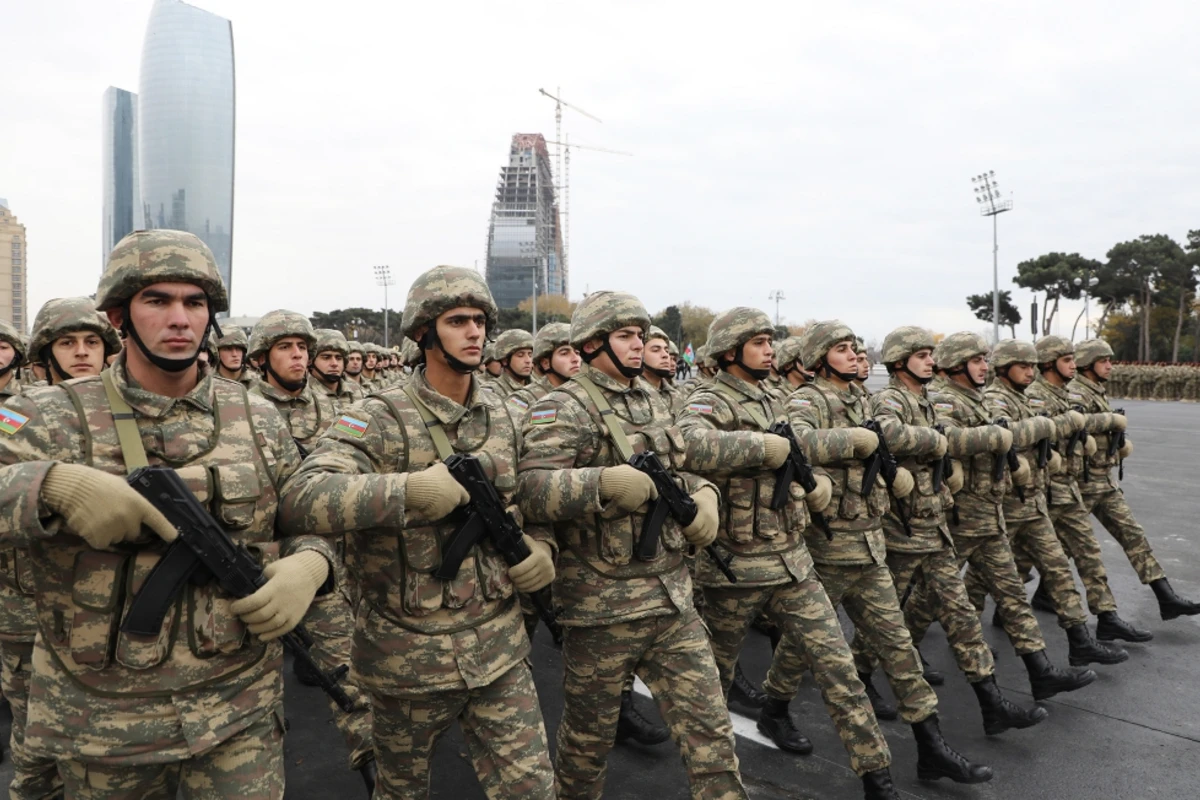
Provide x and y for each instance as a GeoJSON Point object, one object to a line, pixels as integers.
{"type": "Point", "coordinates": [671, 321]}
{"type": "Point", "coordinates": [981, 307]}
{"type": "Point", "coordinates": [695, 322]}
{"type": "Point", "coordinates": [1151, 262]}
{"type": "Point", "coordinates": [363, 324]}
{"type": "Point", "coordinates": [1055, 275]}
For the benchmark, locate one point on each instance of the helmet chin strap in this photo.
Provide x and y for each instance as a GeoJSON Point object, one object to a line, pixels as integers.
{"type": "Point", "coordinates": [914, 376]}
{"type": "Point", "coordinates": [431, 341]}
{"type": "Point", "coordinates": [847, 377]}
{"type": "Point", "coordinates": [1095, 375]}
{"type": "Point", "coordinates": [757, 374]}
{"type": "Point", "coordinates": [324, 376]}
{"type": "Point", "coordinates": [290, 386]}
{"type": "Point", "coordinates": [628, 372]}
{"type": "Point", "coordinates": [519, 378]}
{"type": "Point", "coordinates": [964, 371]}
{"type": "Point", "coordinates": [662, 373]}
{"type": "Point", "coordinates": [48, 358]}
{"type": "Point", "coordinates": [1054, 367]}
{"type": "Point", "coordinates": [166, 364]}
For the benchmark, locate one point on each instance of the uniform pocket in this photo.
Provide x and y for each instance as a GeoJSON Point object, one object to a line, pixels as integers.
{"type": "Point", "coordinates": [740, 499]}
{"type": "Point", "coordinates": [212, 628]}
{"type": "Point", "coordinates": [420, 553]}
{"type": "Point", "coordinates": [95, 593]}
{"type": "Point", "coordinates": [236, 497]}
{"type": "Point", "coordinates": [143, 652]}
{"type": "Point", "coordinates": [851, 504]}
{"type": "Point", "coordinates": [616, 538]}
{"type": "Point", "coordinates": [925, 501]}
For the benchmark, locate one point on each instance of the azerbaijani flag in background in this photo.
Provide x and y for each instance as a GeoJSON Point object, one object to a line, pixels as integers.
{"type": "Point", "coordinates": [689, 355]}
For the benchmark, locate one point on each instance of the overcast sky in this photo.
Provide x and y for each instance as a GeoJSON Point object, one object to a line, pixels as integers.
{"type": "Point", "coordinates": [822, 149]}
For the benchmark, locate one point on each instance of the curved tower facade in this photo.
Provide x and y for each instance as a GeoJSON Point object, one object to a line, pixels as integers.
{"type": "Point", "coordinates": [186, 126]}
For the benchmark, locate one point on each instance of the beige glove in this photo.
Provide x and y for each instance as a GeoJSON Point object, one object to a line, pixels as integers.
{"type": "Point", "coordinates": [865, 442]}
{"type": "Point", "coordinates": [1089, 447]}
{"type": "Point", "coordinates": [626, 487]}
{"type": "Point", "coordinates": [903, 485]}
{"type": "Point", "coordinates": [1076, 420]}
{"type": "Point", "coordinates": [1119, 423]}
{"type": "Point", "coordinates": [778, 449]}
{"type": "Point", "coordinates": [1124, 450]}
{"type": "Point", "coordinates": [433, 493]}
{"type": "Point", "coordinates": [537, 570]}
{"type": "Point", "coordinates": [703, 530]}
{"type": "Point", "coordinates": [1055, 465]}
{"type": "Point", "coordinates": [283, 600]}
{"type": "Point", "coordinates": [1004, 440]}
{"type": "Point", "coordinates": [954, 481]}
{"type": "Point", "coordinates": [942, 445]}
{"type": "Point", "coordinates": [1022, 476]}
{"type": "Point", "coordinates": [101, 508]}
{"type": "Point", "coordinates": [818, 499]}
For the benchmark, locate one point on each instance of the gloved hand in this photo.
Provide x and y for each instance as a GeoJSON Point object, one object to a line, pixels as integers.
{"type": "Point", "coordinates": [101, 508]}
{"type": "Point", "coordinates": [535, 571]}
{"type": "Point", "coordinates": [1124, 450]}
{"type": "Point", "coordinates": [954, 481]}
{"type": "Point", "coordinates": [940, 450]}
{"type": "Point", "coordinates": [703, 530]}
{"type": "Point", "coordinates": [283, 600]}
{"type": "Point", "coordinates": [1055, 465]}
{"type": "Point", "coordinates": [1022, 475]}
{"type": "Point", "coordinates": [1119, 423]}
{"type": "Point", "coordinates": [865, 442]}
{"type": "Point", "coordinates": [1089, 447]}
{"type": "Point", "coordinates": [778, 449]}
{"type": "Point", "coordinates": [903, 485]}
{"type": "Point", "coordinates": [433, 493]}
{"type": "Point", "coordinates": [818, 499]}
{"type": "Point", "coordinates": [626, 487]}
{"type": "Point", "coordinates": [1076, 420]}
{"type": "Point", "coordinates": [1003, 441]}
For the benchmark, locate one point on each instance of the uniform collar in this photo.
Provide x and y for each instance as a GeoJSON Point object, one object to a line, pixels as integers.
{"type": "Point", "coordinates": [279, 396]}
{"type": "Point", "coordinates": [446, 410]}
{"type": "Point", "coordinates": [752, 390]}
{"type": "Point", "coordinates": [148, 404]}
{"type": "Point", "coordinates": [1090, 384]}
{"type": "Point", "coordinates": [1058, 391]}
{"type": "Point", "coordinates": [610, 384]}
{"type": "Point", "coordinates": [852, 394]}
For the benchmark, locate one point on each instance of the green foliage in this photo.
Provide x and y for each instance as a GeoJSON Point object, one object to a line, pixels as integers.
{"type": "Point", "coordinates": [981, 307]}
{"type": "Point", "coordinates": [367, 323]}
{"type": "Point", "coordinates": [1055, 274]}
{"type": "Point", "coordinates": [671, 321]}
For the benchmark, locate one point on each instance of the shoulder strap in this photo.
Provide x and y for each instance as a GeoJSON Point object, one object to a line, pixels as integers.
{"type": "Point", "coordinates": [441, 442]}
{"type": "Point", "coordinates": [128, 435]}
{"type": "Point", "coordinates": [615, 432]}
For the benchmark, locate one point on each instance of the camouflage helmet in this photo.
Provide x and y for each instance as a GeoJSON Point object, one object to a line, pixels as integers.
{"type": "Point", "coordinates": [1013, 351]}
{"type": "Point", "coordinates": [1052, 348]}
{"type": "Point", "coordinates": [276, 325]}
{"type": "Point", "coordinates": [233, 337]}
{"type": "Point", "coordinates": [511, 341]}
{"type": "Point", "coordinates": [410, 353]}
{"type": "Point", "coordinates": [733, 328]}
{"type": "Point", "coordinates": [601, 313]}
{"type": "Point", "coordinates": [550, 338]}
{"type": "Point", "coordinates": [489, 352]}
{"type": "Point", "coordinates": [144, 258]}
{"type": "Point", "coordinates": [904, 341]}
{"type": "Point", "coordinates": [672, 348]}
{"type": "Point", "coordinates": [787, 353]}
{"type": "Point", "coordinates": [9, 334]}
{"type": "Point", "coordinates": [69, 315]}
{"type": "Point", "coordinates": [820, 338]}
{"type": "Point", "coordinates": [860, 347]}
{"type": "Point", "coordinates": [354, 346]}
{"type": "Point", "coordinates": [330, 339]}
{"type": "Point", "coordinates": [959, 348]}
{"type": "Point", "coordinates": [442, 288]}
{"type": "Point", "coordinates": [708, 360]}
{"type": "Point", "coordinates": [1089, 351]}
{"type": "Point", "coordinates": [656, 332]}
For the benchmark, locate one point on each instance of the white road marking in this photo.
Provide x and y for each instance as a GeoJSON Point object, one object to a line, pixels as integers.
{"type": "Point", "coordinates": [743, 726]}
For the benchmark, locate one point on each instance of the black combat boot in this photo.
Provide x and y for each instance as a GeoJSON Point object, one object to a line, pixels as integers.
{"type": "Point", "coordinates": [745, 693]}
{"type": "Point", "coordinates": [1111, 627]}
{"type": "Point", "coordinates": [305, 673]}
{"type": "Point", "coordinates": [632, 726]}
{"type": "Point", "coordinates": [1086, 650]}
{"type": "Point", "coordinates": [997, 622]}
{"type": "Point", "coordinates": [370, 774]}
{"type": "Point", "coordinates": [1171, 605]}
{"type": "Point", "coordinates": [1041, 599]}
{"type": "Point", "coordinates": [999, 714]}
{"type": "Point", "coordinates": [776, 722]}
{"type": "Point", "coordinates": [932, 676]}
{"type": "Point", "coordinates": [883, 709]}
{"type": "Point", "coordinates": [877, 785]}
{"type": "Point", "coordinates": [936, 759]}
{"type": "Point", "coordinates": [1047, 680]}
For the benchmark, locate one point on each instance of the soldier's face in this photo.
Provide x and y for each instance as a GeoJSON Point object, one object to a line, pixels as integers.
{"type": "Point", "coordinates": [758, 352]}
{"type": "Point", "coordinates": [521, 362]}
{"type": "Point", "coordinates": [354, 364]}
{"type": "Point", "coordinates": [7, 354]}
{"type": "Point", "coordinates": [329, 362]}
{"type": "Point", "coordinates": [370, 361]}
{"type": "Point", "coordinates": [977, 367]}
{"type": "Point", "coordinates": [461, 332]}
{"type": "Point", "coordinates": [1021, 374]}
{"type": "Point", "coordinates": [1066, 366]}
{"type": "Point", "coordinates": [1102, 368]}
{"type": "Point", "coordinates": [231, 358]}
{"type": "Point", "coordinates": [565, 360]}
{"type": "Point", "coordinates": [864, 366]}
{"type": "Point", "coordinates": [628, 346]}
{"type": "Point", "coordinates": [80, 354]}
{"type": "Point", "coordinates": [170, 317]}
{"type": "Point", "coordinates": [920, 363]}
{"type": "Point", "coordinates": [842, 358]}
{"type": "Point", "coordinates": [289, 358]}
{"type": "Point", "coordinates": [656, 354]}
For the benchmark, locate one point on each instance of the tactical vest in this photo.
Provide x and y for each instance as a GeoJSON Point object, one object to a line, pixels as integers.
{"type": "Point", "coordinates": [925, 505]}
{"type": "Point", "coordinates": [84, 593]}
{"type": "Point", "coordinates": [968, 412]}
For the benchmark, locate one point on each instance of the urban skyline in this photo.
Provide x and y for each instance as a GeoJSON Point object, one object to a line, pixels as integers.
{"type": "Point", "coordinates": [14, 305]}
{"type": "Point", "coordinates": [122, 195]}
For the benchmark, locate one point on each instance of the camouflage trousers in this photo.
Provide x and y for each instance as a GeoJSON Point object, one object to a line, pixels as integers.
{"type": "Point", "coordinates": [248, 766]}
{"type": "Point", "coordinates": [868, 594]}
{"type": "Point", "coordinates": [937, 575]}
{"type": "Point", "coordinates": [1073, 525]}
{"type": "Point", "coordinates": [502, 725]}
{"type": "Point", "coordinates": [990, 559]}
{"type": "Point", "coordinates": [671, 655]}
{"type": "Point", "coordinates": [1036, 538]}
{"type": "Point", "coordinates": [812, 638]}
{"type": "Point", "coordinates": [34, 778]}
{"type": "Point", "coordinates": [1117, 518]}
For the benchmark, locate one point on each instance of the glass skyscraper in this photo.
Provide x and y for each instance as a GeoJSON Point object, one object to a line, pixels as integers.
{"type": "Point", "coordinates": [186, 126]}
{"type": "Point", "coordinates": [122, 206]}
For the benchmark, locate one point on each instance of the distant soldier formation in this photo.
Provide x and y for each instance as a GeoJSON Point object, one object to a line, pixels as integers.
{"type": "Point", "coordinates": [405, 521]}
{"type": "Point", "coordinates": [1155, 381]}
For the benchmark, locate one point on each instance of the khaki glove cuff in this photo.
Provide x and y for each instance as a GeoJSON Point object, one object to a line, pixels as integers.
{"type": "Point", "coordinates": [777, 450]}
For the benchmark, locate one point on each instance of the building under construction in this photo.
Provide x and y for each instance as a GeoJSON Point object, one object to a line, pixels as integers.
{"type": "Point", "coordinates": [524, 237]}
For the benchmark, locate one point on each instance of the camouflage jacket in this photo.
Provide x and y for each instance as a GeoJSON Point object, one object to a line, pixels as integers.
{"type": "Point", "coordinates": [307, 415]}
{"type": "Point", "coordinates": [907, 419]}
{"type": "Point", "coordinates": [566, 447]}
{"type": "Point", "coordinates": [820, 414]}
{"type": "Point", "coordinates": [120, 698]}
{"type": "Point", "coordinates": [768, 544]}
{"type": "Point", "coordinates": [1063, 489]}
{"type": "Point", "coordinates": [506, 385]}
{"type": "Point", "coordinates": [1029, 426]}
{"type": "Point", "coordinates": [342, 396]}
{"type": "Point", "coordinates": [18, 614]}
{"type": "Point", "coordinates": [673, 396]}
{"type": "Point", "coordinates": [519, 402]}
{"type": "Point", "coordinates": [1093, 398]}
{"type": "Point", "coordinates": [11, 389]}
{"type": "Point", "coordinates": [415, 633]}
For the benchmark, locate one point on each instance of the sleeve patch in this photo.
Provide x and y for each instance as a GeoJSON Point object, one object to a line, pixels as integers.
{"type": "Point", "coordinates": [1033, 401]}
{"type": "Point", "coordinates": [894, 403]}
{"type": "Point", "coordinates": [944, 406]}
{"type": "Point", "coordinates": [518, 402]}
{"type": "Point", "coordinates": [11, 421]}
{"type": "Point", "coordinates": [1075, 396]}
{"type": "Point", "coordinates": [350, 426]}
{"type": "Point", "coordinates": [700, 408]}
{"type": "Point", "coordinates": [1001, 403]}
{"type": "Point", "coordinates": [800, 401]}
{"type": "Point", "coordinates": [544, 416]}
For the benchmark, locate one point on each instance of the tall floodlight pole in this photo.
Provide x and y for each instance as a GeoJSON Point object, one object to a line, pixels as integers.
{"type": "Point", "coordinates": [776, 295]}
{"type": "Point", "coordinates": [987, 194]}
{"type": "Point", "coordinates": [383, 277]}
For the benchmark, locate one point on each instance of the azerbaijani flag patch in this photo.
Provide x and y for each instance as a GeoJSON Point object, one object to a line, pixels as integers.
{"type": "Point", "coordinates": [544, 416]}
{"type": "Point", "coordinates": [350, 426]}
{"type": "Point", "coordinates": [518, 402]}
{"type": "Point", "coordinates": [11, 421]}
{"type": "Point", "coordinates": [800, 401]}
{"type": "Point", "coordinates": [944, 406]}
{"type": "Point", "coordinates": [1034, 401]}
{"type": "Point", "coordinates": [700, 408]}
{"type": "Point", "coordinates": [894, 403]}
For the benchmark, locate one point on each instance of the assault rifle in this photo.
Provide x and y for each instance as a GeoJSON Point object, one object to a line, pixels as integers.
{"type": "Point", "coordinates": [486, 518]}
{"type": "Point", "coordinates": [204, 552]}
{"type": "Point", "coordinates": [882, 462]}
{"type": "Point", "coordinates": [943, 465]}
{"type": "Point", "coordinates": [1008, 459]}
{"type": "Point", "coordinates": [1115, 443]}
{"type": "Point", "coordinates": [674, 501]}
{"type": "Point", "coordinates": [797, 469]}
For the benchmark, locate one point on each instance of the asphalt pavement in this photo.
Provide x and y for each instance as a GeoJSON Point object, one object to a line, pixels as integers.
{"type": "Point", "coordinates": [1134, 733]}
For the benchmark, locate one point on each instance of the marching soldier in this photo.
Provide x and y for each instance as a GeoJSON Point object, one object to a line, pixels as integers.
{"type": "Point", "coordinates": [554, 360]}
{"type": "Point", "coordinates": [231, 362]}
{"type": "Point", "coordinates": [660, 371]}
{"type": "Point", "coordinates": [354, 364]}
{"type": "Point", "coordinates": [328, 366]}
{"type": "Point", "coordinates": [513, 350]}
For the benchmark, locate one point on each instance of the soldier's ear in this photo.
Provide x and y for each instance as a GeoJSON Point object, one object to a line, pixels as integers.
{"type": "Point", "coordinates": [116, 317]}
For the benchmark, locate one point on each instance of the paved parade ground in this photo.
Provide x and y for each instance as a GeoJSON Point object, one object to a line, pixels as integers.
{"type": "Point", "coordinates": [1134, 733]}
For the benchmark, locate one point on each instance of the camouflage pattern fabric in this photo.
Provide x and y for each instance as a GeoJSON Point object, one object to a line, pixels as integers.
{"type": "Point", "coordinates": [66, 315]}
{"type": "Point", "coordinates": [442, 288]}
{"type": "Point", "coordinates": [160, 256]}
{"type": "Point", "coordinates": [34, 777]}
{"type": "Point", "coordinates": [280, 324]}
{"type": "Point", "coordinates": [603, 312]}
{"type": "Point", "coordinates": [234, 337]}
{"type": "Point", "coordinates": [510, 342]}
{"type": "Point", "coordinates": [506, 385]}
{"type": "Point", "coordinates": [307, 414]}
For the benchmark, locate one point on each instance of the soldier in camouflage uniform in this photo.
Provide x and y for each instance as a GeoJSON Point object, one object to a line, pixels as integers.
{"type": "Point", "coordinates": [231, 362]}
{"type": "Point", "coordinates": [369, 378]}
{"type": "Point", "coordinates": [787, 364]}
{"type": "Point", "coordinates": [12, 355]}
{"type": "Point", "coordinates": [864, 365]}
{"type": "Point", "coordinates": [514, 352]}
{"type": "Point", "coordinates": [328, 366]}
{"type": "Point", "coordinates": [622, 615]}
{"type": "Point", "coordinates": [555, 361]}
{"type": "Point", "coordinates": [430, 650]}
{"type": "Point", "coordinates": [1101, 495]}
{"type": "Point", "coordinates": [74, 339]}
{"type": "Point", "coordinates": [773, 567]}
{"type": "Point", "coordinates": [919, 546]}
{"type": "Point", "coordinates": [491, 367]}
{"type": "Point", "coordinates": [354, 364]}
{"type": "Point", "coordinates": [133, 716]}
{"type": "Point", "coordinates": [827, 417]}
{"type": "Point", "coordinates": [660, 372]}
{"type": "Point", "coordinates": [1027, 520]}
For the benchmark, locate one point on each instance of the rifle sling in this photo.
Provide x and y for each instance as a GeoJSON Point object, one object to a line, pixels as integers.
{"type": "Point", "coordinates": [615, 432]}
{"type": "Point", "coordinates": [130, 438]}
{"type": "Point", "coordinates": [441, 442]}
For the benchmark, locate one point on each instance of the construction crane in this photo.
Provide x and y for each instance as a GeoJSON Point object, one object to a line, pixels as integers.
{"type": "Point", "coordinates": [559, 105]}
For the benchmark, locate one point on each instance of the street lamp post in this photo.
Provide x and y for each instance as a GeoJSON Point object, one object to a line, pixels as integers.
{"type": "Point", "coordinates": [1088, 285]}
{"type": "Point", "coordinates": [776, 295]}
{"type": "Point", "coordinates": [383, 277]}
{"type": "Point", "coordinates": [987, 194]}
